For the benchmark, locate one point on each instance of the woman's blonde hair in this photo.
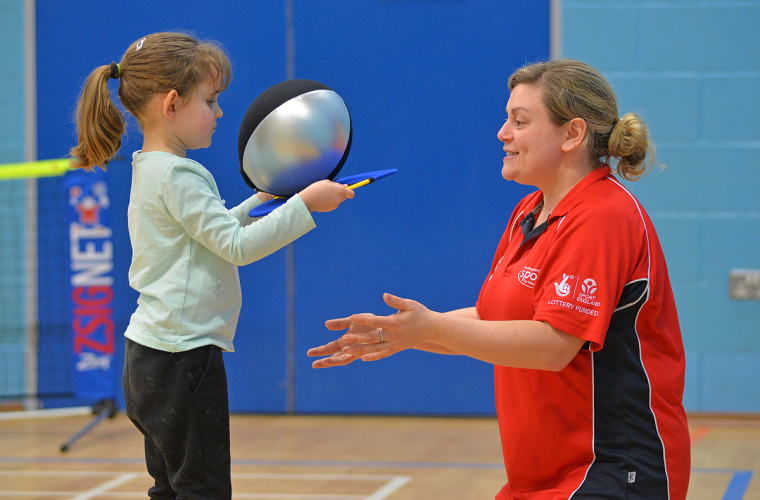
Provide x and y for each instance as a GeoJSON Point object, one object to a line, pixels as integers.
{"type": "Point", "coordinates": [573, 89]}
{"type": "Point", "coordinates": [155, 64]}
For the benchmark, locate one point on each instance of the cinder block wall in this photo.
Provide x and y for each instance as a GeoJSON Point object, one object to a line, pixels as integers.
{"type": "Point", "coordinates": [12, 200]}
{"type": "Point", "coordinates": [692, 69]}
{"type": "Point", "coordinates": [12, 80]}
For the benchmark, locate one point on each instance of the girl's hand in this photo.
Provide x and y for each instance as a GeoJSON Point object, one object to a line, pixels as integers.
{"type": "Point", "coordinates": [325, 196]}
{"type": "Point", "coordinates": [264, 197]}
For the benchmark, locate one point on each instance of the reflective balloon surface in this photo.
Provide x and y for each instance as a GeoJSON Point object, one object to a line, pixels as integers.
{"type": "Point", "coordinates": [302, 141]}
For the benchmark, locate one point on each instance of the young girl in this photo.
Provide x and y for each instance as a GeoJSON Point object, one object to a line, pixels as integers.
{"type": "Point", "coordinates": [186, 247]}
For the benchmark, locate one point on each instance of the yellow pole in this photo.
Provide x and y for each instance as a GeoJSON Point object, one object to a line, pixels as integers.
{"type": "Point", "coordinates": [43, 168]}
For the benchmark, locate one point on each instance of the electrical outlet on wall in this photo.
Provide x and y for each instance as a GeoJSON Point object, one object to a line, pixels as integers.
{"type": "Point", "coordinates": [744, 284]}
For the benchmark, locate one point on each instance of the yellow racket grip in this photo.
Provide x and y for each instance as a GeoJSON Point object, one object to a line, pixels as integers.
{"type": "Point", "coordinates": [360, 184]}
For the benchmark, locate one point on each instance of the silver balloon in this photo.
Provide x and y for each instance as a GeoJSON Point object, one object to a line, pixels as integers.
{"type": "Point", "coordinates": [301, 142]}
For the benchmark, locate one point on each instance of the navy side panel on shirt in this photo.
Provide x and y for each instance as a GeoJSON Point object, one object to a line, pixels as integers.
{"type": "Point", "coordinates": [628, 450]}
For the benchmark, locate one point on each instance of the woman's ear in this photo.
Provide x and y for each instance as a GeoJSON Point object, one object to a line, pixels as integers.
{"type": "Point", "coordinates": [575, 134]}
{"type": "Point", "coordinates": [169, 104]}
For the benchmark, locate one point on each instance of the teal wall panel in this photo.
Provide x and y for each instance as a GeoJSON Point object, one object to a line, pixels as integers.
{"type": "Point", "coordinates": [731, 381]}
{"type": "Point", "coordinates": [691, 68]}
{"type": "Point", "coordinates": [730, 106]}
{"type": "Point", "coordinates": [12, 202]}
{"type": "Point", "coordinates": [681, 241]}
{"type": "Point", "coordinates": [733, 243]}
{"type": "Point", "coordinates": [691, 396]}
{"type": "Point", "coordinates": [12, 81]}
{"type": "Point", "coordinates": [585, 34]}
{"type": "Point", "coordinates": [702, 177]}
{"type": "Point", "coordinates": [669, 105]}
{"type": "Point", "coordinates": [706, 36]}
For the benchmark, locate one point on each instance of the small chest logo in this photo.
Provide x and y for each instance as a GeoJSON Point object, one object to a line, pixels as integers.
{"type": "Point", "coordinates": [528, 276]}
{"type": "Point", "coordinates": [563, 287]}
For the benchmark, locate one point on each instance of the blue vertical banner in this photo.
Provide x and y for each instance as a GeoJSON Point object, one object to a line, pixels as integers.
{"type": "Point", "coordinates": [91, 280]}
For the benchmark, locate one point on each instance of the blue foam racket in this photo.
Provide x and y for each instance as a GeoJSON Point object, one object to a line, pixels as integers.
{"type": "Point", "coordinates": [353, 181]}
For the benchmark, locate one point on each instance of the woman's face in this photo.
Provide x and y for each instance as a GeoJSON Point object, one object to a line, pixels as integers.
{"type": "Point", "coordinates": [531, 140]}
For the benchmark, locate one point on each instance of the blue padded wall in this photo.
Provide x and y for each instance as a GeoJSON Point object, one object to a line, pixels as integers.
{"type": "Point", "coordinates": [426, 86]}
{"type": "Point", "coordinates": [692, 68]}
{"type": "Point", "coordinates": [254, 35]}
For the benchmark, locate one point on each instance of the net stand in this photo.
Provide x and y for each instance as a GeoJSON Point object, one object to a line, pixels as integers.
{"type": "Point", "coordinates": [102, 409]}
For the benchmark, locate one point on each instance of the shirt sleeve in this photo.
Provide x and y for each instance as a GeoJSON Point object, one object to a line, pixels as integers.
{"type": "Point", "coordinates": [592, 257]}
{"type": "Point", "coordinates": [190, 199]}
{"type": "Point", "coordinates": [241, 211]}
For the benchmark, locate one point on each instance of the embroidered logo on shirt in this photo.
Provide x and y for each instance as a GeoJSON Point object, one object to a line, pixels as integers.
{"type": "Point", "coordinates": [585, 296]}
{"type": "Point", "coordinates": [563, 287]}
{"type": "Point", "coordinates": [588, 288]}
{"type": "Point", "coordinates": [528, 276]}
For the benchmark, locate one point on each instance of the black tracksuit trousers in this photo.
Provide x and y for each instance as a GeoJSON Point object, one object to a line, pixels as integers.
{"type": "Point", "coordinates": [179, 402]}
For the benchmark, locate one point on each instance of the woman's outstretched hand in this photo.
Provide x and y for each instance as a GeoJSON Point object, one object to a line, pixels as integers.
{"type": "Point", "coordinates": [333, 349]}
{"type": "Point", "coordinates": [371, 337]}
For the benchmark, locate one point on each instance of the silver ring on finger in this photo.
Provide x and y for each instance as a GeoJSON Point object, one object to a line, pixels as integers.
{"type": "Point", "coordinates": [381, 336]}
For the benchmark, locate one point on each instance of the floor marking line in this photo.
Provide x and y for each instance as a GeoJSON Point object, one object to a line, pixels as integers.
{"type": "Point", "coordinates": [295, 496]}
{"type": "Point", "coordinates": [738, 485]}
{"type": "Point", "coordinates": [99, 490]}
{"type": "Point", "coordinates": [64, 473]}
{"type": "Point", "coordinates": [389, 488]}
{"type": "Point", "coordinates": [312, 476]}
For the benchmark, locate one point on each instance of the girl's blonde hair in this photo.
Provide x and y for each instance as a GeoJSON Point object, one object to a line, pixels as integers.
{"type": "Point", "coordinates": [573, 89]}
{"type": "Point", "coordinates": [155, 64]}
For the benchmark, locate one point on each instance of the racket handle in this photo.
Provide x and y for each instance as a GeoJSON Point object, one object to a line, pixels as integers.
{"type": "Point", "coordinates": [360, 184]}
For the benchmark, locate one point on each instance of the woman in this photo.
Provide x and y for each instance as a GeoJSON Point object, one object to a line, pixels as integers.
{"type": "Point", "coordinates": [577, 314]}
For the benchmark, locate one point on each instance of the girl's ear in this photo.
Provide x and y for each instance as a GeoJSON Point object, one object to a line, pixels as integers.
{"type": "Point", "coordinates": [575, 134]}
{"type": "Point", "coordinates": [169, 104]}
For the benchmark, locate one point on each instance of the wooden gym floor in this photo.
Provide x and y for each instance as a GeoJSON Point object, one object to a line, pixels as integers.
{"type": "Point", "coordinates": [332, 458]}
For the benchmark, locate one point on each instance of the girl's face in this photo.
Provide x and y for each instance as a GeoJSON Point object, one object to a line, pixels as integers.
{"type": "Point", "coordinates": [197, 116]}
{"type": "Point", "coordinates": [531, 139]}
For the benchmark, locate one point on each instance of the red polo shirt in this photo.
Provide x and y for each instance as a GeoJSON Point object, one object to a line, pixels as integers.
{"type": "Point", "coordinates": [612, 421]}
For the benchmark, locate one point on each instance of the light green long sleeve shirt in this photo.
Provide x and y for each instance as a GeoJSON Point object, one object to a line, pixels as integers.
{"type": "Point", "coordinates": [186, 249]}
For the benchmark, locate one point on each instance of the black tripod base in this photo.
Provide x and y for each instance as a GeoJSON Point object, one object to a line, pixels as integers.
{"type": "Point", "coordinates": [102, 409]}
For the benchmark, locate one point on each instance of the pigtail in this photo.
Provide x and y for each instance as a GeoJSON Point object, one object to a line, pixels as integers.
{"type": "Point", "coordinates": [100, 124]}
{"type": "Point", "coordinates": [154, 64]}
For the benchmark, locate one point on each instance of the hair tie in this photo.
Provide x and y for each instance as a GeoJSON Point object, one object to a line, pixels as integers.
{"type": "Point", "coordinates": [115, 71]}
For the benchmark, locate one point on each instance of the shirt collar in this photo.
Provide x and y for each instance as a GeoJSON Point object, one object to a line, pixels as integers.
{"type": "Point", "coordinates": [574, 196]}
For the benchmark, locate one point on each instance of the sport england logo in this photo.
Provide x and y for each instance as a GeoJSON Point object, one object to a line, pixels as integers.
{"type": "Point", "coordinates": [588, 286]}
{"type": "Point", "coordinates": [563, 287]}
